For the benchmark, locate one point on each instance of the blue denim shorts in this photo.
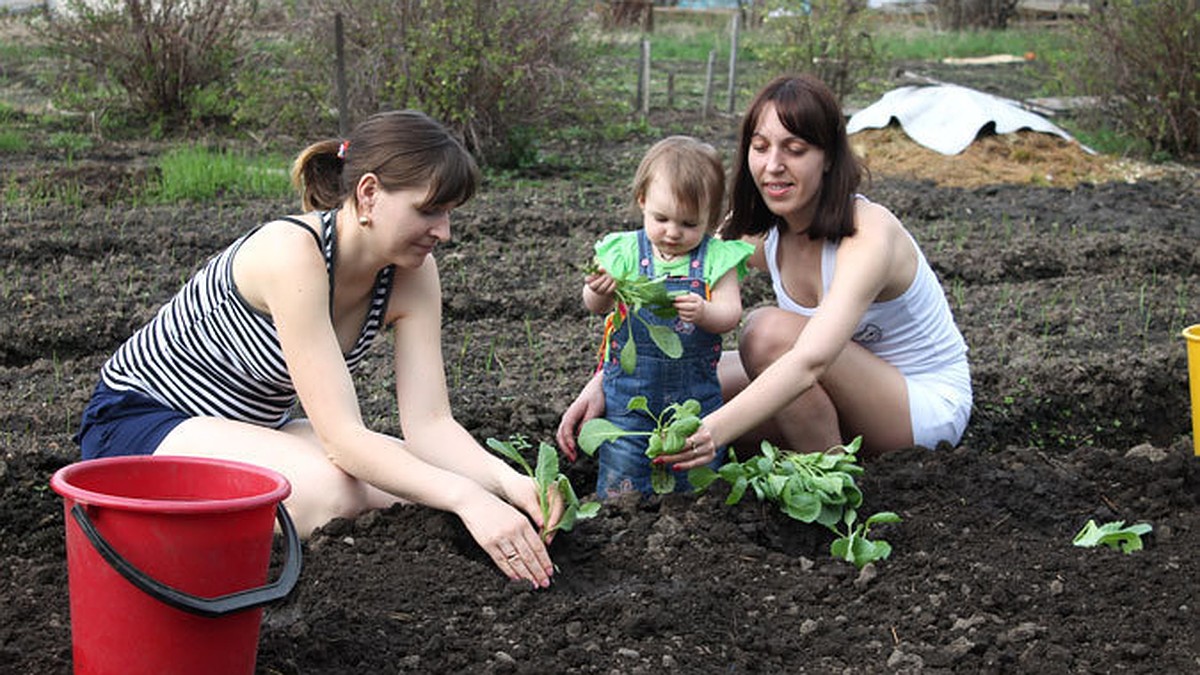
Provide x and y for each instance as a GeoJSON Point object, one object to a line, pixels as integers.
{"type": "Point", "coordinates": [124, 423]}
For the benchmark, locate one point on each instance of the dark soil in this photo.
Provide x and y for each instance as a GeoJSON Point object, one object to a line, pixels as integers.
{"type": "Point", "coordinates": [1072, 302]}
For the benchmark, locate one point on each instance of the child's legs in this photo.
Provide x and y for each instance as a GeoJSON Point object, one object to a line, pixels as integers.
{"type": "Point", "coordinates": [623, 467]}
{"type": "Point", "coordinates": [320, 490]}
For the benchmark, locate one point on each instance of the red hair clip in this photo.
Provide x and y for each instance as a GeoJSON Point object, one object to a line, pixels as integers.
{"type": "Point", "coordinates": [342, 149]}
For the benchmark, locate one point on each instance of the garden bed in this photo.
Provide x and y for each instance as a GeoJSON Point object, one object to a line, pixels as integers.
{"type": "Point", "coordinates": [1071, 299]}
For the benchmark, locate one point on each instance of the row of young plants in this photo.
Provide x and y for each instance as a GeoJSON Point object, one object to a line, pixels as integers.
{"type": "Point", "coordinates": [817, 488]}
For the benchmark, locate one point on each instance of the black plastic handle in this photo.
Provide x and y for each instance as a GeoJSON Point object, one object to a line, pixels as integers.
{"type": "Point", "coordinates": [208, 607]}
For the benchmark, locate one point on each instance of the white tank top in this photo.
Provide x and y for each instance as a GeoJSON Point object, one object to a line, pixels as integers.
{"type": "Point", "coordinates": [914, 332]}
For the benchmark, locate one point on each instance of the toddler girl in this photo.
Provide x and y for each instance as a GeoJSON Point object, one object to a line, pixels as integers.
{"type": "Point", "coordinates": [679, 189]}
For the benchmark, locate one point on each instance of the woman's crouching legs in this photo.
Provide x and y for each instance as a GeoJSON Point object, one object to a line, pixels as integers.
{"type": "Point", "coordinates": [320, 490]}
{"type": "Point", "coordinates": [810, 422]}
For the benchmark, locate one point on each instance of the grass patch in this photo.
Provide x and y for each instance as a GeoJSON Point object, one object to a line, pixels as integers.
{"type": "Point", "coordinates": [12, 141]}
{"type": "Point", "coordinates": [916, 43]}
{"type": "Point", "coordinates": [198, 174]}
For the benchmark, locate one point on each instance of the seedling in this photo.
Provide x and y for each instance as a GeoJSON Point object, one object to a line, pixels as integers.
{"type": "Point", "coordinates": [855, 547]}
{"type": "Point", "coordinates": [547, 477]}
{"type": "Point", "coordinates": [672, 427]}
{"type": "Point", "coordinates": [1113, 534]}
{"type": "Point", "coordinates": [635, 294]}
{"type": "Point", "coordinates": [815, 487]}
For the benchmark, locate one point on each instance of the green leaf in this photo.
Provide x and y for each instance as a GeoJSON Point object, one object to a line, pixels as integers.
{"type": "Point", "coordinates": [666, 339]}
{"type": "Point", "coordinates": [629, 354]}
{"type": "Point", "coordinates": [737, 490]}
{"type": "Point", "coordinates": [883, 517]}
{"type": "Point", "coordinates": [547, 466]}
{"type": "Point", "coordinates": [701, 477]}
{"type": "Point", "coordinates": [830, 485]}
{"type": "Point", "coordinates": [595, 432]}
{"type": "Point", "coordinates": [803, 506]}
{"type": "Point", "coordinates": [510, 451]}
{"type": "Point", "coordinates": [1112, 534]}
{"type": "Point", "coordinates": [654, 447]}
{"type": "Point", "coordinates": [662, 479]}
{"type": "Point", "coordinates": [685, 424]}
{"type": "Point", "coordinates": [672, 442]}
{"type": "Point", "coordinates": [859, 550]}
{"type": "Point", "coordinates": [638, 403]}
{"type": "Point", "coordinates": [689, 408]}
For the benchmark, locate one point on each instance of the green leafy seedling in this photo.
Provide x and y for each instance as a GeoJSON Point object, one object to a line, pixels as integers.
{"type": "Point", "coordinates": [672, 427]}
{"type": "Point", "coordinates": [547, 477]}
{"type": "Point", "coordinates": [1113, 534]}
{"type": "Point", "coordinates": [633, 295]}
{"type": "Point", "coordinates": [817, 487]}
{"type": "Point", "coordinates": [855, 547]}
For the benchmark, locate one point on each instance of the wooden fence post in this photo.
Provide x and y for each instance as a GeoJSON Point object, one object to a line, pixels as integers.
{"type": "Point", "coordinates": [708, 83]}
{"type": "Point", "coordinates": [644, 79]}
{"type": "Point", "coordinates": [733, 50]}
{"type": "Point", "coordinates": [339, 48]}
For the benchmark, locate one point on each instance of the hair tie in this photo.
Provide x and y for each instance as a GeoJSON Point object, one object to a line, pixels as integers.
{"type": "Point", "coordinates": [342, 149]}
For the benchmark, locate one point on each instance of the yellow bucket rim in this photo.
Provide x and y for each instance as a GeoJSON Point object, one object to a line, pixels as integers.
{"type": "Point", "coordinates": [1192, 332]}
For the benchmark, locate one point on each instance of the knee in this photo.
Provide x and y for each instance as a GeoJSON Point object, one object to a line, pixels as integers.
{"type": "Point", "coordinates": [324, 495]}
{"type": "Point", "coordinates": [766, 335]}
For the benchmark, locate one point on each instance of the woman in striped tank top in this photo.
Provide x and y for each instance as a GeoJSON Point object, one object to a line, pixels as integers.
{"type": "Point", "coordinates": [282, 317]}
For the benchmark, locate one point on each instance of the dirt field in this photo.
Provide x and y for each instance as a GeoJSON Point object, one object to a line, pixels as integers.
{"type": "Point", "coordinates": [1071, 294]}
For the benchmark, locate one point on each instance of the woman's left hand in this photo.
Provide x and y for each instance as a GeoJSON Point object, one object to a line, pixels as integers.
{"type": "Point", "coordinates": [698, 450]}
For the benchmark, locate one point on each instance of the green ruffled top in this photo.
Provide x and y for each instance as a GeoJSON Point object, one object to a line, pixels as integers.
{"type": "Point", "coordinates": [617, 253]}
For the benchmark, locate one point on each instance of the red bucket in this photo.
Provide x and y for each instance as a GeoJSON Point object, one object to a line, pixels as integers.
{"type": "Point", "coordinates": [167, 562]}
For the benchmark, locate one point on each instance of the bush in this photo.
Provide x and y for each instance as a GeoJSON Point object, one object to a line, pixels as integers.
{"type": "Point", "coordinates": [160, 53]}
{"type": "Point", "coordinates": [827, 38]}
{"type": "Point", "coordinates": [1142, 59]}
{"type": "Point", "coordinates": [490, 69]}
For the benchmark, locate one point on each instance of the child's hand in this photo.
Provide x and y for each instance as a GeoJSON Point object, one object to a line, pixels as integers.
{"type": "Point", "coordinates": [690, 307]}
{"type": "Point", "coordinates": [601, 283]}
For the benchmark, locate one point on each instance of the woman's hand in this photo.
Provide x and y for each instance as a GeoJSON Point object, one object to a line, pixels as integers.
{"type": "Point", "coordinates": [522, 492]}
{"type": "Point", "coordinates": [508, 537]}
{"type": "Point", "coordinates": [699, 450]}
{"type": "Point", "coordinates": [589, 404]}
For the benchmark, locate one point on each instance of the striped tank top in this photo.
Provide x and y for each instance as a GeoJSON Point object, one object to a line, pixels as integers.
{"type": "Point", "coordinates": [208, 352]}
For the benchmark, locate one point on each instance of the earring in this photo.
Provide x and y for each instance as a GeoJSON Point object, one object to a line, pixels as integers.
{"type": "Point", "coordinates": [363, 220]}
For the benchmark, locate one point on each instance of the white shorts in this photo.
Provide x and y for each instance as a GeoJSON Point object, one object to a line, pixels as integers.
{"type": "Point", "coordinates": [939, 404]}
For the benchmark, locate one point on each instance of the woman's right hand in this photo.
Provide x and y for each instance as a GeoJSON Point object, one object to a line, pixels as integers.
{"type": "Point", "coordinates": [508, 537]}
{"type": "Point", "coordinates": [589, 404]}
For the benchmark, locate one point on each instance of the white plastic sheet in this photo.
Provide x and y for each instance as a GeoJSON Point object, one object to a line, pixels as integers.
{"type": "Point", "coordinates": [948, 118]}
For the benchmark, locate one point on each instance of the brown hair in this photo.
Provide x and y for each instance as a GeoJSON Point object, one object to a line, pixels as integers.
{"type": "Point", "coordinates": [808, 109]}
{"type": "Point", "coordinates": [403, 148]}
{"type": "Point", "coordinates": [693, 172]}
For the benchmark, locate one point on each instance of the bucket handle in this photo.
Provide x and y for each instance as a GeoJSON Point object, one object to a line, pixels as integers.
{"type": "Point", "coordinates": [207, 607]}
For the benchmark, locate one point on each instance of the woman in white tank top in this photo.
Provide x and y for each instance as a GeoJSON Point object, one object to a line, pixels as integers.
{"type": "Point", "coordinates": [862, 341]}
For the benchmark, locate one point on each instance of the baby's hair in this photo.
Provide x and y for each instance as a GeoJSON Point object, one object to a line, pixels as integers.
{"type": "Point", "coordinates": [403, 148]}
{"type": "Point", "coordinates": [694, 173]}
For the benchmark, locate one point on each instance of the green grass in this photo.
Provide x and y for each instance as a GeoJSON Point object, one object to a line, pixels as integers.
{"type": "Point", "coordinates": [198, 174]}
{"type": "Point", "coordinates": [12, 141]}
{"type": "Point", "coordinates": [72, 142]}
{"type": "Point", "coordinates": [677, 36]}
{"type": "Point", "coordinates": [913, 43]}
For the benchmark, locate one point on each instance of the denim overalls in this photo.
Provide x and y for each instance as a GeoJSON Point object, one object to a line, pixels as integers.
{"type": "Point", "coordinates": [661, 379]}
